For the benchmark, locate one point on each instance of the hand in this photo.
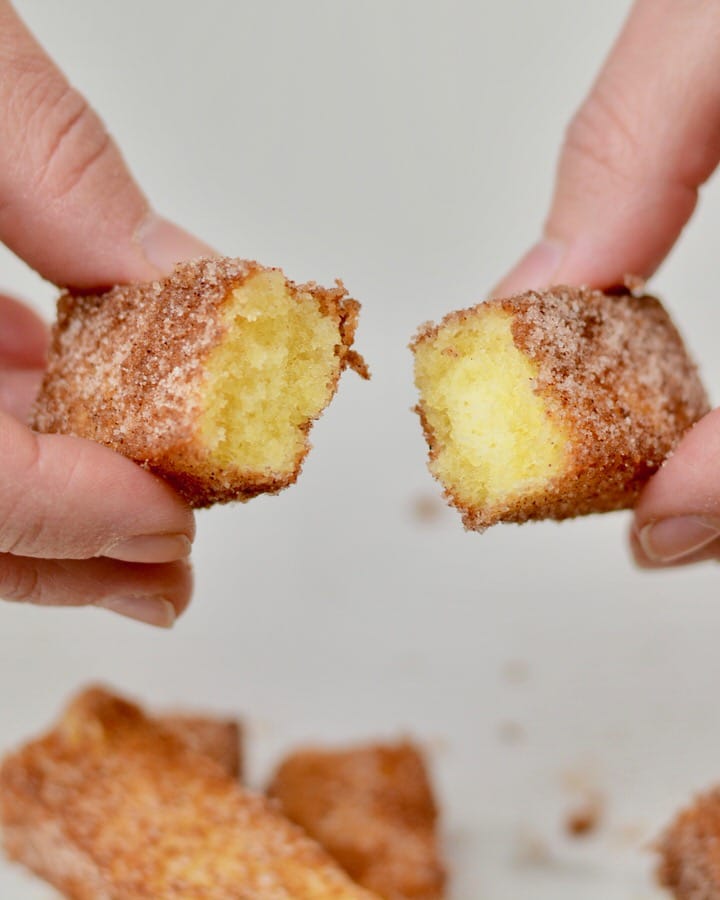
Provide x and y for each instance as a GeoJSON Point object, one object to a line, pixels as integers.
{"type": "Point", "coordinates": [634, 157]}
{"type": "Point", "coordinates": [79, 524]}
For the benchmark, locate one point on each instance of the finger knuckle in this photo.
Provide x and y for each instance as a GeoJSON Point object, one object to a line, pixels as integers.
{"type": "Point", "coordinates": [603, 135]}
{"type": "Point", "coordinates": [55, 130]}
{"type": "Point", "coordinates": [27, 526]}
{"type": "Point", "coordinates": [25, 539]}
{"type": "Point", "coordinates": [16, 528]}
{"type": "Point", "coordinates": [75, 141]}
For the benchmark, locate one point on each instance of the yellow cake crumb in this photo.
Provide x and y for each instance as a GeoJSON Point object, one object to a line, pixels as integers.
{"type": "Point", "coordinates": [274, 372]}
{"type": "Point", "coordinates": [494, 436]}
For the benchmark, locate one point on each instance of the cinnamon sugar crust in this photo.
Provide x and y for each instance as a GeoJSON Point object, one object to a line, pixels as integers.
{"type": "Point", "coordinates": [111, 806]}
{"type": "Point", "coordinates": [617, 385]}
{"type": "Point", "coordinates": [372, 808]}
{"type": "Point", "coordinates": [219, 738]}
{"type": "Point", "coordinates": [690, 851]}
{"type": "Point", "coordinates": [128, 369]}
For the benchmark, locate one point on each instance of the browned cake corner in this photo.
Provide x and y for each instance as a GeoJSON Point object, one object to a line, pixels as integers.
{"type": "Point", "coordinates": [373, 810]}
{"type": "Point", "coordinates": [211, 377]}
{"type": "Point", "coordinates": [555, 404]}
{"type": "Point", "coordinates": [690, 851]}
{"type": "Point", "coordinates": [219, 738]}
{"type": "Point", "coordinates": [110, 804]}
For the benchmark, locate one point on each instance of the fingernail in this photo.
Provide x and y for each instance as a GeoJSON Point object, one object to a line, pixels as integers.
{"type": "Point", "coordinates": [165, 245]}
{"type": "Point", "coordinates": [677, 537]}
{"type": "Point", "coordinates": [150, 548]}
{"type": "Point", "coordinates": [152, 610]}
{"type": "Point", "coordinates": [534, 271]}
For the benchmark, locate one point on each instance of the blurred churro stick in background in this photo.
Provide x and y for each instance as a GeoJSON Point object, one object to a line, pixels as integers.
{"type": "Point", "coordinates": [372, 808]}
{"type": "Point", "coordinates": [111, 804]}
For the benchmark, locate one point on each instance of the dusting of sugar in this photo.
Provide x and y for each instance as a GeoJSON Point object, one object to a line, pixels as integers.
{"type": "Point", "coordinates": [372, 808]}
{"type": "Point", "coordinates": [690, 851]}
{"type": "Point", "coordinates": [615, 373]}
{"type": "Point", "coordinates": [616, 369]}
{"type": "Point", "coordinates": [126, 369]}
{"type": "Point", "coordinates": [147, 816]}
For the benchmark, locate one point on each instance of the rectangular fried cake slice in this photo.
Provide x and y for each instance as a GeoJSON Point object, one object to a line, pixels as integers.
{"type": "Point", "coordinates": [555, 404]}
{"type": "Point", "coordinates": [372, 808]}
{"type": "Point", "coordinates": [112, 806]}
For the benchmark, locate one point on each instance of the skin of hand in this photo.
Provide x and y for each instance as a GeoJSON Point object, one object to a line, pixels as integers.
{"type": "Point", "coordinates": [635, 155]}
{"type": "Point", "coordinates": [79, 524]}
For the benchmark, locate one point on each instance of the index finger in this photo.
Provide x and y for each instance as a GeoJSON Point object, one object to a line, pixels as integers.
{"type": "Point", "coordinates": [643, 142]}
{"type": "Point", "coordinates": [68, 203]}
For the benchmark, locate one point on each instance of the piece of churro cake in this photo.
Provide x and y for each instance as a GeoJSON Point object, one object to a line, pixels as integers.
{"type": "Point", "coordinates": [211, 377]}
{"type": "Point", "coordinates": [372, 808]}
{"type": "Point", "coordinates": [112, 805]}
{"type": "Point", "coordinates": [552, 405]}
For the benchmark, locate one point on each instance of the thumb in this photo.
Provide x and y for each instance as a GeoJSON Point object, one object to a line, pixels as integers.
{"type": "Point", "coordinates": [635, 154]}
{"type": "Point", "coordinates": [677, 518]}
{"type": "Point", "coordinates": [65, 498]}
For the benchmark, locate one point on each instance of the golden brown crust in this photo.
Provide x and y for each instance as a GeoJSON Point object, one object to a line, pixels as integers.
{"type": "Point", "coordinates": [218, 738]}
{"type": "Point", "coordinates": [111, 805]}
{"type": "Point", "coordinates": [126, 368]}
{"type": "Point", "coordinates": [615, 372]}
{"type": "Point", "coordinates": [690, 851]}
{"type": "Point", "coordinates": [373, 810]}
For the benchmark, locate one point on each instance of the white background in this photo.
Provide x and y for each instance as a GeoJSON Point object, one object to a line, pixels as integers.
{"type": "Point", "coordinates": [407, 147]}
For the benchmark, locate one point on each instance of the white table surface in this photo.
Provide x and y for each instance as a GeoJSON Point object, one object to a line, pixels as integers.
{"type": "Point", "coordinates": [409, 148]}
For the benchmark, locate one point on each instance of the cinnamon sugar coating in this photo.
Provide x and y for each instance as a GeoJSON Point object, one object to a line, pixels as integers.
{"type": "Point", "coordinates": [372, 808]}
{"type": "Point", "coordinates": [111, 805]}
{"type": "Point", "coordinates": [690, 851]}
{"type": "Point", "coordinates": [219, 738]}
{"type": "Point", "coordinates": [127, 370]}
{"type": "Point", "coordinates": [615, 376]}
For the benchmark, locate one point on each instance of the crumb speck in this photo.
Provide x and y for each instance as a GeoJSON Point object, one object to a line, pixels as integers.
{"type": "Point", "coordinates": [515, 671]}
{"type": "Point", "coordinates": [531, 850]}
{"type": "Point", "coordinates": [511, 733]}
{"type": "Point", "coordinates": [584, 820]}
{"type": "Point", "coordinates": [427, 508]}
